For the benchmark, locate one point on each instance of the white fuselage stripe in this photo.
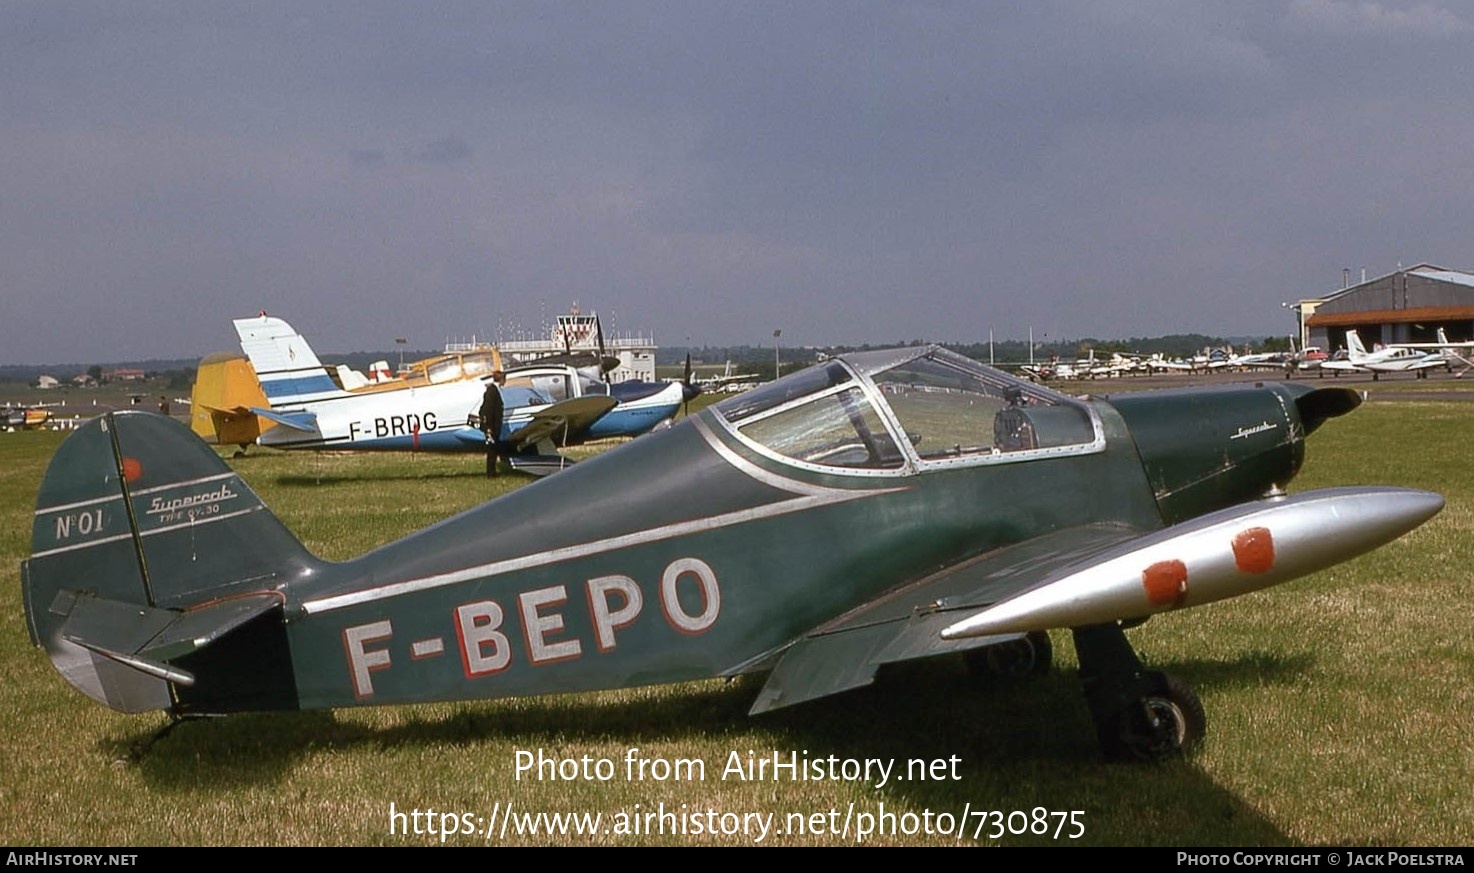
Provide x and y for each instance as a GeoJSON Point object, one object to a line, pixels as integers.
{"type": "Point", "coordinates": [148, 533]}
{"type": "Point", "coordinates": [119, 496]}
{"type": "Point", "coordinates": [809, 496]}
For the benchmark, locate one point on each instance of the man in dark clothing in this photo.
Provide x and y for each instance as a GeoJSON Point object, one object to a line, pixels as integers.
{"type": "Point", "coordinates": [491, 421]}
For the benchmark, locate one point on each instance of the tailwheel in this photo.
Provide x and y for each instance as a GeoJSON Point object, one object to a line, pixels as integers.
{"type": "Point", "coordinates": [1030, 655]}
{"type": "Point", "coordinates": [1162, 724]}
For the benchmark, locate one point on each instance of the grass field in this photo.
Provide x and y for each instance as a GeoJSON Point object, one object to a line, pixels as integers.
{"type": "Point", "coordinates": [1340, 707]}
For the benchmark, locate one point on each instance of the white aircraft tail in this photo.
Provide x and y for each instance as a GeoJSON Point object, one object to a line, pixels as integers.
{"type": "Point", "coordinates": [351, 378]}
{"type": "Point", "coordinates": [288, 369]}
{"type": "Point", "coordinates": [1354, 346]}
{"type": "Point", "coordinates": [1453, 353]}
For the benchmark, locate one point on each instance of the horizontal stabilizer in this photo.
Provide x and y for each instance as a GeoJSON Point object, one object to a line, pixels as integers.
{"type": "Point", "coordinates": [146, 666]}
{"type": "Point", "coordinates": [305, 422]}
{"type": "Point", "coordinates": [146, 638]}
{"type": "Point", "coordinates": [224, 410]}
{"type": "Point", "coordinates": [112, 628]}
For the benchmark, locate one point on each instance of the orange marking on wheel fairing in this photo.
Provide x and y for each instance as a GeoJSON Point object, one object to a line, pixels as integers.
{"type": "Point", "coordinates": [1165, 583]}
{"type": "Point", "coordinates": [1253, 550]}
{"type": "Point", "coordinates": [132, 470]}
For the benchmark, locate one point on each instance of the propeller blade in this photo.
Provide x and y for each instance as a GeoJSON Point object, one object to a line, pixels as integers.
{"type": "Point", "coordinates": [599, 335]}
{"type": "Point", "coordinates": [689, 388]}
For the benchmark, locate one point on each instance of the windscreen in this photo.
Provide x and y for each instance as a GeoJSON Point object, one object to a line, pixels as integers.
{"type": "Point", "coordinates": [820, 416]}
{"type": "Point", "coordinates": [950, 407]}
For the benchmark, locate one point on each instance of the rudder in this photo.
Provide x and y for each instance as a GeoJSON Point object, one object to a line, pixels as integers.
{"type": "Point", "coordinates": [289, 371]}
{"type": "Point", "coordinates": [225, 390]}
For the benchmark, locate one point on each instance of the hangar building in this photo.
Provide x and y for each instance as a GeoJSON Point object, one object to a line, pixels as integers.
{"type": "Point", "coordinates": [1407, 306]}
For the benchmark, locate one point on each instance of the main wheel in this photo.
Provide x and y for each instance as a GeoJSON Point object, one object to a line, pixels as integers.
{"type": "Point", "coordinates": [1161, 725]}
{"type": "Point", "coordinates": [1031, 655]}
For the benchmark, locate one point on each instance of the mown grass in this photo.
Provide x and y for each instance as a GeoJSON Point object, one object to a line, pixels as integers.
{"type": "Point", "coordinates": [1339, 706]}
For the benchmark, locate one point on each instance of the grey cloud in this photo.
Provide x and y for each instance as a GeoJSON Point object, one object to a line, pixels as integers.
{"type": "Point", "coordinates": [845, 171]}
{"type": "Point", "coordinates": [367, 157]}
{"type": "Point", "coordinates": [1339, 17]}
{"type": "Point", "coordinates": [448, 150]}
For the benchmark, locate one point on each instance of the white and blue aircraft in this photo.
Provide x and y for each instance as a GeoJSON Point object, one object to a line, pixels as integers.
{"type": "Point", "coordinates": [434, 406]}
{"type": "Point", "coordinates": [1404, 358]}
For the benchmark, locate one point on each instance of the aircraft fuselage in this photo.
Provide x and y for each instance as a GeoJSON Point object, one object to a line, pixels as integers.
{"type": "Point", "coordinates": [693, 554]}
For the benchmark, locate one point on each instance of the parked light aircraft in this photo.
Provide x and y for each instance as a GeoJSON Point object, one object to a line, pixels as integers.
{"type": "Point", "coordinates": [1088, 367]}
{"type": "Point", "coordinates": [727, 382]}
{"type": "Point", "coordinates": [430, 408]}
{"type": "Point", "coordinates": [1260, 361]}
{"type": "Point", "coordinates": [877, 507]}
{"type": "Point", "coordinates": [1450, 351]}
{"type": "Point", "coordinates": [1160, 363]}
{"type": "Point", "coordinates": [20, 417]}
{"type": "Point", "coordinates": [1388, 359]}
{"type": "Point", "coordinates": [1306, 359]}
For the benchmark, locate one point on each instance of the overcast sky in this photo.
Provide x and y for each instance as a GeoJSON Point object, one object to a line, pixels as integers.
{"type": "Point", "coordinates": [712, 171]}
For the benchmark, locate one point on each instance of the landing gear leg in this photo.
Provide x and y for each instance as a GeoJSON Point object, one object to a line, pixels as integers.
{"type": "Point", "coordinates": [1140, 715]}
{"type": "Point", "coordinates": [1031, 655]}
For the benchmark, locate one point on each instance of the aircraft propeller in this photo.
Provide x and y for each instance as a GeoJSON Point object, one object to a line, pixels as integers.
{"type": "Point", "coordinates": [689, 388]}
{"type": "Point", "coordinates": [604, 368]}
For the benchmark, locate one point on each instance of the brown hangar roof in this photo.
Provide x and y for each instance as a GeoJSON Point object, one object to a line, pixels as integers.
{"type": "Point", "coordinates": [1391, 316]}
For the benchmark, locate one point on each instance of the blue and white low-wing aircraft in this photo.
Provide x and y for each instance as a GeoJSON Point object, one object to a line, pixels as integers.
{"type": "Point", "coordinates": [547, 406]}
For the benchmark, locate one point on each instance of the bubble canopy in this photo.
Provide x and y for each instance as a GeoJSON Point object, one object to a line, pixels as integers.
{"type": "Point", "coordinates": [902, 410]}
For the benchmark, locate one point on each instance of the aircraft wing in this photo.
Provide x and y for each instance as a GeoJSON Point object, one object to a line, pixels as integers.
{"type": "Point", "coordinates": [1428, 363]}
{"type": "Point", "coordinates": [907, 623]}
{"type": "Point", "coordinates": [1467, 345]}
{"type": "Point", "coordinates": [1087, 576]}
{"type": "Point", "coordinates": [306, 422]}
{"type": "Point", "coordinates": [559, 422]}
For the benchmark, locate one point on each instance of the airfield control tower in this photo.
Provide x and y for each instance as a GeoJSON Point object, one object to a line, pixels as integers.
{"type": "Point", "coordinates": [578, 332]}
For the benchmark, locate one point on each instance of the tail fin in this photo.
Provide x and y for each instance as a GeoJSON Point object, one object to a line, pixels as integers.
{"type": "Point", "coordinates": [1353, 344]}
{"type": "Point", "coordinates": [225, 391]}
{"type": "Point", "coordinates": [289, 371]}
{"type": "Point", "coordinates": [351, 379]}
{"type": "Point", "coordinates": [146, 549]}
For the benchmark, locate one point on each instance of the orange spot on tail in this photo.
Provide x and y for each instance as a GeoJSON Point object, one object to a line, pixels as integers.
{"type": "Point", "coordinates": [132, 470]}
{"type": "Point", "coordinates": [1165, 583]}
{"type": "Point", "coordinates": [1253, 550]}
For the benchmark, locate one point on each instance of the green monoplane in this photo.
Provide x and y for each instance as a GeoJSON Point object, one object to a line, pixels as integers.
{"type": "Point", "coordinates": [876, 508]}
